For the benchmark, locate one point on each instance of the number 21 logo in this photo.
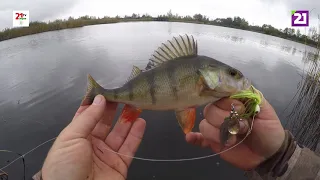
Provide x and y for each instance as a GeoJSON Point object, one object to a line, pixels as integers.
{"type": "Point", "coordinates": [19, 15]}
{"type": "Point", "coordinates": [300, 18]}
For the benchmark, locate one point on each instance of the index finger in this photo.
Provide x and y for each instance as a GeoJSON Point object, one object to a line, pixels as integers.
{"type": "Point", "coordinates": [83, 124]}
{"type": "Point", "coordinates": [216, 112]}
{"type": "Point", "coordinates": [103, 127]}
{"type": "Point", "coordinates": [225, 104]}
{"type": "Point", "coordinates": [80, 110]}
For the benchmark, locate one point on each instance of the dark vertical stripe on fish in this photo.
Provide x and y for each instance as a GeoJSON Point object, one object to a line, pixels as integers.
{"type": "Point", "coordinates": [130, 89]}
{"type": "Point", "coordinates": [170, 71]}
{"type": "Point", "coordinates": [152, 89]}
{"type": "Point", "coordinates": [198, 63]}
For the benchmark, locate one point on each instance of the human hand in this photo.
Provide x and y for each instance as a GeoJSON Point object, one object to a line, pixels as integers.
{"type": "Point", "coordinates": [80, 151]}
{"type": "Point", "coordinates": [265, 139]}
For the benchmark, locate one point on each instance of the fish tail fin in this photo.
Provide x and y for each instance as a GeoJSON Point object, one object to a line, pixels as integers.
{"type": "Point", "coordinates": [93, 89]}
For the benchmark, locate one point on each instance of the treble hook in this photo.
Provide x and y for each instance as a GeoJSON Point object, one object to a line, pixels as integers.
{"type": "Point", "coordinates": [233, 113]}
{"type": "Point", "coordinates": [229, 127]}
{"type": "Point", "coordinates": [234, 121]}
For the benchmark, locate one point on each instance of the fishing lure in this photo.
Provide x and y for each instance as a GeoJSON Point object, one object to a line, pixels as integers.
{"type": "Point", "coordinates": [252, 99]}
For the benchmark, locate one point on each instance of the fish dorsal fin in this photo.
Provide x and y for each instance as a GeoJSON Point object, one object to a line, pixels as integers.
{"type": "Point", "coordinates": [179, 46]}
{"type": "Point", "coordinates": [135, 72]}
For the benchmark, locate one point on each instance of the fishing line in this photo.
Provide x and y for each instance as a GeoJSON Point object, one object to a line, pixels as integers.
{"type": "Point", "coordinates": [186, 159]}
{"type": "Point", "coordinates": [134, 157]}
{"type": "Point", "coordinates": [23, 162]}
{"type": "Point", "coordinates": [4, 176]}
{"type": "Point", "coordinates": [3, 173]}
{"type": "Point", "coordinates": [23, 155]}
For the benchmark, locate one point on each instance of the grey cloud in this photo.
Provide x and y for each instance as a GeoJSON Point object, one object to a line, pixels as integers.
{"type": "Point", "coordinates": [39, 9]}
{"type": "Point", "coordinates": [299, 5]}
{"type": "Point", "coordinates": [307, 5]}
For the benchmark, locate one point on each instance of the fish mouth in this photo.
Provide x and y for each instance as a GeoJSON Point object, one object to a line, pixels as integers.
{"type": "Point", "coordinates": [246, 84]}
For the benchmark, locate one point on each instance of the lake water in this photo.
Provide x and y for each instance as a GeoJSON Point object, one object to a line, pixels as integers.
{"type": "Point", "coordinates": [43, 78]}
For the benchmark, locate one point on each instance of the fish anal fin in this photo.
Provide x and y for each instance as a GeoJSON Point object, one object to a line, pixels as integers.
{"type": "Point", "coordinates": [129, 114]}
{"type": "Point", "coordinates": [134, 73]}
{"type": "Point", "coordinates": [186, 119]}
{"type": "Point", "coordinates": [179, 46]}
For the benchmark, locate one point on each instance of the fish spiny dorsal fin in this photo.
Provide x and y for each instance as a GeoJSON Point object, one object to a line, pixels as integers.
{"type": "Point", "coordinates": [135, 72]}
{"type": "Point", "coordinates": [179, 46]}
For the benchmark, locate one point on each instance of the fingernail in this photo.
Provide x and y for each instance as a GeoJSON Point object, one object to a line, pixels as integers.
{"type": "Point", "coordinates": [239, 108]}
{"type": "Point", "coordinates": [97, 100]}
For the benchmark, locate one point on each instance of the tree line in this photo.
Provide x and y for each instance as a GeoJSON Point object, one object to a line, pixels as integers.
{"type": "Point", "coordinates": [311, 39]}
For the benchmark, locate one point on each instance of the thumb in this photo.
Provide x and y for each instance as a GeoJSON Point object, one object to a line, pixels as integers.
{"type": "Point", "coordinates": [83, 124]}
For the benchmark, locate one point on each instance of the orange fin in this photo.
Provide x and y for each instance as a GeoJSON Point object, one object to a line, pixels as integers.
{"type": "Point", "coordinates": [186, 119]}
{"type": "Point", "coordinates": [129, 113]}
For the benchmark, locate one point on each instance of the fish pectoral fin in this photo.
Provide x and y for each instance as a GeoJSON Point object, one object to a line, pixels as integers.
{"type": "Point", "coordinates": [186, 118]}
{"type": "Point", "coordinates": [129, 114]}
{"type": "Point", "coordinates": [208, 84]}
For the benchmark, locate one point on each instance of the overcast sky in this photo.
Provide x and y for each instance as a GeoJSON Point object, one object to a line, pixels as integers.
{"type": "Point", "coordinates": [258, 12]}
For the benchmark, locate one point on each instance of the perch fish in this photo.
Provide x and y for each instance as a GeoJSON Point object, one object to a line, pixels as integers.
{"type": "Point", "coordinates": [177, 79]}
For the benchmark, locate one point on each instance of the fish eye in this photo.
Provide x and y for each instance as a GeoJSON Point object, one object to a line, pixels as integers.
{"type": "Point", "coordinates": [235, 73]}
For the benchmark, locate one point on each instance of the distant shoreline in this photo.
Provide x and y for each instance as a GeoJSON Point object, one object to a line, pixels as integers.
{"type": "Point", "coordinates": [236, 22]}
